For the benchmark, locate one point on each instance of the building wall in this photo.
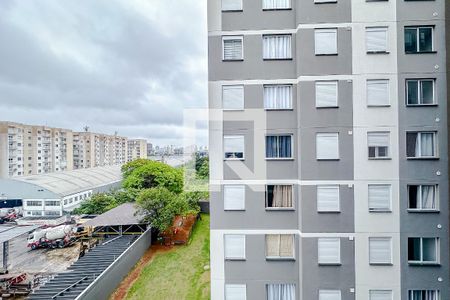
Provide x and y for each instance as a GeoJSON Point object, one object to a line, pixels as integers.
{"type": "Point", "coordinates": [353, 172]}
{"type": "Point", "coordinates": [136, 149]}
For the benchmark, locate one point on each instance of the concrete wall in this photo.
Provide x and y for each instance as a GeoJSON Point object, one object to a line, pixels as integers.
{"type": "Point", "coordinates": [108, 281]}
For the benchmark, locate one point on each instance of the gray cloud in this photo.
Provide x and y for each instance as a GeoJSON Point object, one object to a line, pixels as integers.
{"type": "Point", "coordinates": [130, 66]}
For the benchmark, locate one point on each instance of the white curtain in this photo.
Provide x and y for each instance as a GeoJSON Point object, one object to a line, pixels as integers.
{"type": "Point", "coordinates": [380, 250]}
{"type": "Point", "coordinates": [280, 245]}
{"type": "Point", "coordinates": [278, 96]}
{"type": "Point", "coordinates": [326, 41]}
{"type": "Point", "coordinates": [425, 144]}
{"type": "Point", "coordinates": [282, 196]}
{"type": "Point", "coordinates": [427, 196]}
{"type": "Point", "coordinates": [234, 197]}
{"type": "Point", "coordinates": [376, 39]}
{"type": "Point", "coordinates": [281, 292]}
{"type": "Point", "coordinates": [327, 146]}
{"type": "Point", "coordinates": [379, 197]}
{"type": "Point", "coordinates": [235, 246]}
{"type": "Point", "coordinates": [233, 96]}
{"type": "Point", "coordinates": [329, 251]}
{"type": "Point", "coordinates": [277, 46]}
{"type": "Point", "coordinates": [378, 92]}
{"type": "Point", "coordinates": [276, 4]}
{"type": "Point", "coordinates": [328, 198]}
{"type": "Point", "coordinates": [326, 94]}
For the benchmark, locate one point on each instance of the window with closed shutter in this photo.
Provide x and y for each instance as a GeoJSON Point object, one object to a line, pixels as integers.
{"type": "Point", "coordinates": [328, 198]}
{"type": "Point", "coordinates": [329, 251]}
{"type": "Point", "coordinates": [231, 5]}
{"type": "Point", "coordinates": [234, 197]}
{"type": "Point", "coordinates": [233, 97]}
{"type": "Point", "coordinates": [327, 146]}
{"type": "Point", "coordinates": [378, 92]}
{"type": "Point", "coordinates": [232, 48]}
{"type": "Point", "coordinates": [378, 144]}
{"type": "Point", "coordinates": [325, 41]}
{"type": "Point", "coordinates": [234, 246]}
{"type": "Point", "coordinates": [376, 39]}
{"type": "Point", "coordinates": [326, 94]}
{"type": "Point", "coordinates": [379, 197]}
{"type": "Point", "coordinates": [380, 250]}
{"type": "Point", "coordinates": [235, 292]}
{"type": "Point", "coordinates": [329, 295]}
{"type": "Point", "coordinates": [233, 146]}
{"type": "Point", "coordinates": [380, 295]}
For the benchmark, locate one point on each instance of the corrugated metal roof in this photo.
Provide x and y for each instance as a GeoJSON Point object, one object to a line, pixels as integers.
{"type": "Point", "coordinates": [10, 232]}
{"type": "Point", "coordinates": [14, 189]}
{"type": "Point", "coordinates": [71, 182]}
{"type": "Point", "coordinates": [121, 215]}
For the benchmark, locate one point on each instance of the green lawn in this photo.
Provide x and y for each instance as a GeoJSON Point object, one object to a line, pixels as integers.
{"type": "Point", "coordinates": [179, 273]}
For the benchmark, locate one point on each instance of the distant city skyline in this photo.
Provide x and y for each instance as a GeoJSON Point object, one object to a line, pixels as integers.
{"type": "Point", "coordinates": [62, 69]}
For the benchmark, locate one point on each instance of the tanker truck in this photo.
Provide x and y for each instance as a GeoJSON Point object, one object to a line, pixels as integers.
{"type": "Point", "coordinates": [52, 237]}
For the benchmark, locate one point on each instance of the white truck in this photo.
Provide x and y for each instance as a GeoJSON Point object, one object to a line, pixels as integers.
{"type": "Point", "coordinates": [52, 237]}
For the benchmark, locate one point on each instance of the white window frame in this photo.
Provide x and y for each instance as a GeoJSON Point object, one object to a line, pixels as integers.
{"type": "Point", "coordinates": [421, 261]}
{"type": "Point", "coordinates": [377, 154]}
{"type": "Point", "coordinates": [232, 37]}
{"type": "Point", "coordinates": [236, 286]}
{"type": "Point", "coordinates": [329, 187]}
{"type": "Point", "coordinates": [324, 1]}
{"type": "Point", "coordinates": [335, 240]}
{"type": "Point", "coordinates": [372, 239]}
{"type": "Point", "coordinates": [419, 91]}
{"type": "Point", "coordinates": [279, 208]}
{"type": "Point", "coordinates": [278, 149]}
{"type": "Point", "coordinates": [268, 36]}
{"type": "Point", "coordinates": [334, 50]}
{"type": "Point", "coordinates": [324, 134]}
{"type": "Point", "coordinates": [328, 292]}
{"type": "Point", "coordinates": [333, 83]}
{"type": "Point", "coordinates": [417, 28]}
{"type": "Point", "coordinates": [384, 29]}
{"type": "Point", "coordinates": [421, 209]}
{"type": "Point", "coordinates": [277, 8]}
{"type": "Point", "coordinates": [374, 82]}
{"type": "Point", "coordinates": [280, 257]}
{"type": "Point", "coordinates": [437, 294]}
{"type": "Point", "coordinates": [278, 86]}
{"type": "Point", "coordinates": [234, 86]}
{"type": "Point", "coordinates": [243, 249]}
{"type": "Point", "coordinates": [372, 209]}
{"type": "Point", "coordinates": [234, 137]}
{"type": "Point", "coordinates": [435, 145]}
{"type": "Point", "coordinates": [240, 8]}
{"type": "Point", "coordinates": [373, 292]}
{"type": "Point", "coordinates": [226, 206]}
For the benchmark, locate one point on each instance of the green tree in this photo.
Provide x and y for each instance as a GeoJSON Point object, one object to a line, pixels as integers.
{"type": "Point", "coordinates": [151, 174]}
{"type": "Point", "coordinates": [97, 204]}
{"type": "Point", "coordinates": [129, 167]}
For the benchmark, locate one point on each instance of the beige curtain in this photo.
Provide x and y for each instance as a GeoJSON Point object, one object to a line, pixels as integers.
{"type": "Point", "coordinates": [282, 196]}
{"type": "Point", "coordinates": [280, 245]}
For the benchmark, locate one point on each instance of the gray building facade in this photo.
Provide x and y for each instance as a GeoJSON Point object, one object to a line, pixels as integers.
{"type": "Point", "coordinates": [329, 149]}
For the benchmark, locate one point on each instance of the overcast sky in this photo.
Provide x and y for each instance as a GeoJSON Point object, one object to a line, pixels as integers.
{"type": "Point", "coordinates": [130, 66]}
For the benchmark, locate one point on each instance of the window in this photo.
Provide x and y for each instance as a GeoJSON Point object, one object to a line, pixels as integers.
{"type": "Point", "coordinates": [379, 197]}
{"type": "Point", "coordinates": [234, 197]}
{"type": "Point", "coordinates": [421, 144]}
{"type": "Point", "coordinates": [233, 97]}
{"type": "Point", "coordinates": [34, 203]}
{"type": "Point", "coordinates": [279, 196]}
{"type": "Point", "coordinates": [329, 295]}
{"type": "Point", "coordinates": [423, 250]}
{"type": "Point", "coordinates": [329, 251]}
{"type": "Point", "coordinates": [380, 250]}
{"type": "Point", "coordinates": [278, 96]}
{"type": "Point", "coordinates": [235, 292]}
{"type": "Point", "coordinates": [328, 198]}
{"type": "Point", "coordinates": [380, 295]}
{"type": "Point", "coordinates": [276, 4]}
{"type": "Point", "coordinates": [52, 203]}
{"type": "Point", "coordinates": [52, 213]}
{"type": "Point", "coordinates": [420, 92]}
{"type": "Point", "coordinates": [326, 94]}
{"type": "Point", "coordinates": [36, 213]}
{"type": "Point", "coordinates": [279, 146]}
{"type": "Point", "coordinates": [422, 197]}
{"type": "Point", "coordinates": [378, 144]}
{"type": "Point", "coordinates": [231, 5]}
{"type": "Point", "coordinates": [378, 92]}
{"type": "Point", "coordinates": [419, 39]}
{"type": "Point", "coordinates": [277, 46]}
{"type": "Point", "coordinates": [234, 246]}
{"type": "Point", "coordinates": [232, 48]}
{"type": "Point", "coordinates": [279, 246]}
{"type": "Point", "coordinates": [325, 1]}
{"type": "Point", "coordinates": [423, 295]}
{"type": "Point", "coordinates": [325, 41]}
{"type": "Point", "coordinates": [233, 147]}
{"type": "Point", "coordinates": [327, 146]}
{"type": "Point", "coordinates": [376, 39]}
{"type": "Point", "coordinates": [283, 291]}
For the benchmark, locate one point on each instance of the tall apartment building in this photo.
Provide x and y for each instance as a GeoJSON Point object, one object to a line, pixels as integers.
{"type": "Point", "coordinates": [31, 150]}
{"type": "Point", "coordinates": [98, 150]}
{"type": "Point", "coordinates": [137, 148]}
{"type": "Point", "coordinates": [328, 149]}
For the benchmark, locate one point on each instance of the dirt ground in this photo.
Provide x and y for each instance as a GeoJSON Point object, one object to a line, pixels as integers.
{"type": "Point", "coordinates": [122, 289]}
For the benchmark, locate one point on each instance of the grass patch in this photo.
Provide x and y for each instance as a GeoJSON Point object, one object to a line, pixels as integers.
{"type": "Point", "coordinates": [179, 273]}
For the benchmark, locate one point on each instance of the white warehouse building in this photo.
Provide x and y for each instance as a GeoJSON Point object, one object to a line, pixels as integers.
{"type": "Point", "coordinates": [56, 193]}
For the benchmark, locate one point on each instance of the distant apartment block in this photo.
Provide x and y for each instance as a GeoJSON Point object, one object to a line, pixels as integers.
{"type": "Point", "coordinates": [32, 150]}
{"type": "Point", "coordinates": [98, 150]}
{"type": "Point", "coordinates": [137, 148]}
{"type": "Point", "coordinates": [329, 149]}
